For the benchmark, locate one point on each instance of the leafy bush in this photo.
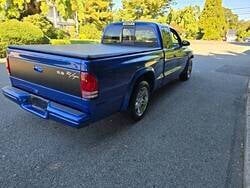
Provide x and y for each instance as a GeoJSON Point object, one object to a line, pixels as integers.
{"type": "Point", "coordinates": [89, 31]}
{"type": "Point", "coordinates": [16, 32]}
{"type": "Point", "coordinates": [3, 47]}
{"type": "Point", "coordinates": [43, 23]}
{"type": "Point", "coordinates": [46, 26]}
{"type": "Point", "coordinates": [59, 41]}
{"type": "Point", "coordinates": [61, 34]}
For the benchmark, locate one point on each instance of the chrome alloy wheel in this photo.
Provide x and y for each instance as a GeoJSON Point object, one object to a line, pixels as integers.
{"type": "Point", "coordinates": [141, 101]}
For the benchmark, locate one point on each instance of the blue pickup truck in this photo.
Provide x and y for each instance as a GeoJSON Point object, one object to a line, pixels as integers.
{"type": "Point", "coordinates": [81, 83]}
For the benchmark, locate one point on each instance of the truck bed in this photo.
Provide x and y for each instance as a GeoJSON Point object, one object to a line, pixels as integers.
{"type": "Point", "coordinates": [85, 51]}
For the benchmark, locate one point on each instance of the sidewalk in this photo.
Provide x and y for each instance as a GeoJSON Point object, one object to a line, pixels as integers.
{"type": "Point", "coordinates": [247, 143]}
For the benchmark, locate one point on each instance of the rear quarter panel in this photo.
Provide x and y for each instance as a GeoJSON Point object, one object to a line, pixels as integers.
{"type": "Point", "coordinates": [117, 75]}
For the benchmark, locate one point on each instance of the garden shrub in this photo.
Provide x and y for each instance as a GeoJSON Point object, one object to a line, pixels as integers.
{"type": "Point", "coordinates": [46, 26]}
{"type": "Point", "coordinates": [61, 34]}
{"type": "Point", "coordinates": [16, 32]}
{"type": "Point", "coordinates": [43, 23]}
{"type": "Point", "coordinates": [3, 47]}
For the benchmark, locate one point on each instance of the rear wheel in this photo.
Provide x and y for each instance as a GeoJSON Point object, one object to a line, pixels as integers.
{"type": "Point", "coordinates": [139, 100]}
{"type": "Point", "coordinates": [186, 74]}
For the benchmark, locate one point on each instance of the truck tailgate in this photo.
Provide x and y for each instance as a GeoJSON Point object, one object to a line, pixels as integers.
{"type": "Point", "coordinates": [51, 71]}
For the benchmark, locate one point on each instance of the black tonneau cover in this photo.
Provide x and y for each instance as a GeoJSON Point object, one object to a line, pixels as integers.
{"type": "Point", "coordinates": [85, 51]}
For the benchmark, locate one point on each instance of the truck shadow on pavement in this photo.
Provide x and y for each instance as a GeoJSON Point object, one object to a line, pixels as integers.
{"type": "Point", "coordinates": [119, 123]}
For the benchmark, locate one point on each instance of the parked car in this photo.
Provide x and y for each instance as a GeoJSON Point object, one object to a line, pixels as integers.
{"type": "Point", "coordinates": [81, 83]}
{"type": "Point", "coordinates": [247, 39]}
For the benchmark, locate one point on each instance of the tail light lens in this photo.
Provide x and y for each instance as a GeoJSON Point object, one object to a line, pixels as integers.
{"type": "Point", "coordinates": [89, 86]}
{"type": "Point", "coordinates": [7, 65]}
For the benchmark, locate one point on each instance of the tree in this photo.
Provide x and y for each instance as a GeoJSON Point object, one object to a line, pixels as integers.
{"type": "Point", "coordinates": [231, 18]}
{"type": "Point", "coordinates": [212, 21]}
{"type": "Point", "coordinates": [185, 21]}
{"type": "Point", "coordinates": [243, 30]}
{"type": "Point", "coordinates": [18, 8]}
{"type": "Point", "coordinates": [62, 6]}
{"type": "Point", "coordinates": [98, 12]}
{"type": "Point", "coordinates": [143, 9]}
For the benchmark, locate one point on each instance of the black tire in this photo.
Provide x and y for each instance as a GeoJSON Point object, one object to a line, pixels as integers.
{"type": "Point", "coordinates": [142, 86]}
{"type": "Point", "coordinates": [186, 74]}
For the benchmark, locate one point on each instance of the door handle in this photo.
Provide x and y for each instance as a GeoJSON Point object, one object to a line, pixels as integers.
{"type": "Point", "coordinates": [38, 69]}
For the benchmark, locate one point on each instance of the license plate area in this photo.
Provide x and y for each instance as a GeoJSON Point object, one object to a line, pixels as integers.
{"type": "Point", "coordinates": [38, 102]}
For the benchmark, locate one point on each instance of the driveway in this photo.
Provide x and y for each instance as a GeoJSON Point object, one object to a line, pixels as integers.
{"type": "Point", "coordinates": [192, 136]}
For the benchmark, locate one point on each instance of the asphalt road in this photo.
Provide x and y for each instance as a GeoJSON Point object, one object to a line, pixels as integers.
{"type": "Point", "coordinates": [192, 137]}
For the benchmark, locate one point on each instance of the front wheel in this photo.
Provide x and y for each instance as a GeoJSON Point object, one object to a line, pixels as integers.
{"type": "Point", "coordinates": [186, 74]}
{"type": "Point", "coordinates": [139, 100]}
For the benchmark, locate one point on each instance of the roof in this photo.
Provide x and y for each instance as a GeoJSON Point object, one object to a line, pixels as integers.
{"type": "Point", "coordinates": [141, 22]}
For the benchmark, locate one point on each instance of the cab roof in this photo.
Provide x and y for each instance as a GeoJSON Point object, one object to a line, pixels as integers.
{"type": "Point", "coordinates": [128, 23]}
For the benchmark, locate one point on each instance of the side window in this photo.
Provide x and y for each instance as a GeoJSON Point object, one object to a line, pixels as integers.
{"type": "Point", "coordinates": [176, 39]}
{"type": "Point", "coordinates": [166, 38]}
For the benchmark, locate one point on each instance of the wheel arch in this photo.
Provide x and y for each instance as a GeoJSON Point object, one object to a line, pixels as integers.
{"type": "Point", "coordinates": [146, 74]}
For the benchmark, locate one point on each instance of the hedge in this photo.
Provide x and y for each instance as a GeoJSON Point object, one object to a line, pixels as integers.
{"type": "Point", "coordinates": [72, 41]}
{"type": "Point", "coordinates": [16, 32]}
{"type": "Point", "coordinates": [59, 41]}
{"type": "Point", "coordinates": [83, 41]}
{"type": "Point", "coordinates": [3, 47]}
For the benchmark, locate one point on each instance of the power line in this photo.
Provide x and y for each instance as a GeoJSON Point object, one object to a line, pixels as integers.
{"type": "Point", "coordinates": [240, 8]}
{"type": "Point", "coordinates": [244, 13]}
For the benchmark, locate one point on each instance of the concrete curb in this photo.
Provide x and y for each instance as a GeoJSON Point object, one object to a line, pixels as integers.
{"type": "Point", "coordinates": [247, 142]}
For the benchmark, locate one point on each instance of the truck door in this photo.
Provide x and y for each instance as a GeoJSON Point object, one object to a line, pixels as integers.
{"type": "Point", "coordinates": [179, 52]}
{"type": "Point", "coordinates": [173, 53]}
{"type": "Point", "coordinates": [169, 53]}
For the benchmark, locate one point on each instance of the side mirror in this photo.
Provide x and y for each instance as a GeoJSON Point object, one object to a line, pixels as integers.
{"type": "Point", "coordinates": [185, 43]}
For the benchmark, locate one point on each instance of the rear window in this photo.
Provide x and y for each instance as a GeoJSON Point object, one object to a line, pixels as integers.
{"type": "Point", "coordinates": [130, 35]}
{"type": "Point", "coordinates": [112, 34]}
{"type": "Point", "coordinates": [145, 35]}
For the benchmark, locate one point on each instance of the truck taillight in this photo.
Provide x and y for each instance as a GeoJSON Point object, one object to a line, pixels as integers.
{"type": "Point", "coordinates": [89, 85]}
{"type": "Point", "coordinates": [7, 65]}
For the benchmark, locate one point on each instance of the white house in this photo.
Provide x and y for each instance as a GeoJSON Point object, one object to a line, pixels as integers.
{"type": "Point", "coordinates": [54, 16]}
{"type": "Point", "coordinates": [231, 35]}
